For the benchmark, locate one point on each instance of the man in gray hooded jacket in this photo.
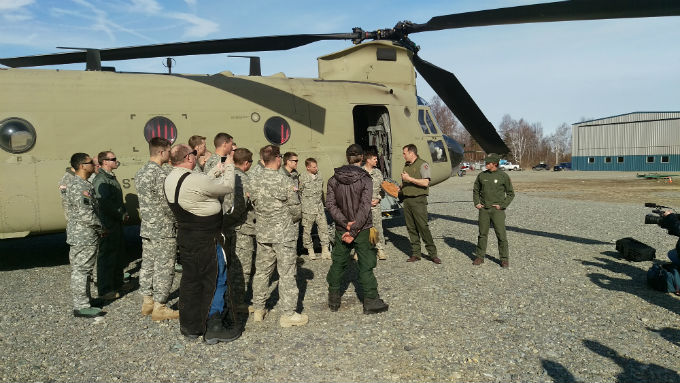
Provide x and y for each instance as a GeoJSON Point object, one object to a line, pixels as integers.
{"type": "Point", "coordinates": [348, 199]}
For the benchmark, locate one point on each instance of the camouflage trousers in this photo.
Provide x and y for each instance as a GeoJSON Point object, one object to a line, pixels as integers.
{"type": "Point", "coordinates": [283, 256]}
{"type": "Point", "coordinates": [240, 267]}
{"type": "Point", "coordinates": [158, 267]}
{"type": "Point", "coordinates": [376, 213]}
{"type": "Point", "coordinates": [82, 259]}
{"type": "Point", "coordinates": [308, 220]}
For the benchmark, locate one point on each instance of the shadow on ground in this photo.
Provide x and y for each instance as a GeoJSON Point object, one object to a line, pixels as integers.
{"type": "Point", "coordinates": [561, 237]}
{"type": "Point", "coordinates": [632, 370]}
{"type": "Point", "coordinates": [634, 283]}
{"type": "Point", "coordinates": [51, 250]}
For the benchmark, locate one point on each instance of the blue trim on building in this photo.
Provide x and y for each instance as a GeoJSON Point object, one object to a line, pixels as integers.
{"type": "Point", "coordinates": [637, 163]}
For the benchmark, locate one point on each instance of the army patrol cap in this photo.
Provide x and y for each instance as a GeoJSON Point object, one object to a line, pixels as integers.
{"type": "Point", "coordinates": [492, 157]}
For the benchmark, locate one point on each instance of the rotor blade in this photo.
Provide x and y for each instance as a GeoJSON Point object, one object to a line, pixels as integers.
{"type": "Point", "coordinates": [549, 12]}
{"type": "Point", "coordinates": [447, 86]}
{"type": "Point", "coordinates": [247, 44]}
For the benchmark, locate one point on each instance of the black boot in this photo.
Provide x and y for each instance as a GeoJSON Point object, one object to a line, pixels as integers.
{"type": "Point", "coordinates": [216, 332]}
{"type": "Point", "coordinates": [334, 300]}
{"type": "Point", "coordinates": [374, 305]}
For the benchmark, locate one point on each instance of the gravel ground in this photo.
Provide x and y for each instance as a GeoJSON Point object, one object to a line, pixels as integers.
{"type": "Point", "coordinates": [569, 309]}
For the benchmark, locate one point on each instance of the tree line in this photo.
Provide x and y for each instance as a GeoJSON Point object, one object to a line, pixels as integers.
{"type": "Point", "coordinates": [527, 143]}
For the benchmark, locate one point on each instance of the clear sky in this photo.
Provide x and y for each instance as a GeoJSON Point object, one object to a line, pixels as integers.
{"type": "Point", "coordinates": [551, 73]}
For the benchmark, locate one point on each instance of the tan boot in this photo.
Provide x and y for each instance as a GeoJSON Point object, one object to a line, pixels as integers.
{"type": "Point", "coordinates": [295, 319]}
{"type": "Point", "coordinates": [381, 255]}
{"type": "Point", "coordinates": [325, 253]}
{"type": "Point", "coordinates": [312, 254]}
{"type": "Point", "coordinates": [259, 314]}
{"type": "Point", "coordinates": [147, 305]}
{"type": "Point", "coordinates": [162, 312]}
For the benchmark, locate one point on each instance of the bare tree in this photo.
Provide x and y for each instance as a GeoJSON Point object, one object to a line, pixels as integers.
{"type": "Point", "coordinates": [560, 141]}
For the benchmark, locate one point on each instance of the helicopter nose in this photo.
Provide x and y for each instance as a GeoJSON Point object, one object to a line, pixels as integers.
{"type": "Point", "coordinates": [455, 152]}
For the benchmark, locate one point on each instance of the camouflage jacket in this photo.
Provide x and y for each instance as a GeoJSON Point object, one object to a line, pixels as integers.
{"type": "Point", "coordinates": [277, 207]}
{"type": "Point", "coordinates": [157, 218]}
{"type": "Point", "coordinates": [311, 192]}
{"type": "Point", "coordinates": [210, 163]}
{"type": "Point", "coordinates": [378, 179]}
{"type": "Point", "coordinates": [110, 199]}
{"type": "Point", "coordinates": [294, 176]}
{"type": "Point", "coordinates": [64, 183]}
{"type": "Point", "coordinates": [242, 204]}
{"type": "Point", "coordinates": [82, 223]}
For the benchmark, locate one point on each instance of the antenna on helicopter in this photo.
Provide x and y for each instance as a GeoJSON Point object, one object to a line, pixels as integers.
{"type": "Point", "coordinates": [255, 69]}
{"type": "Point", "coordinates": [168, 64]}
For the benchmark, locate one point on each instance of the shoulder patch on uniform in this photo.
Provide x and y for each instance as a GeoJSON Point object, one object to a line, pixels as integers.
{"type": "Point", "coordinates": [425, 165]}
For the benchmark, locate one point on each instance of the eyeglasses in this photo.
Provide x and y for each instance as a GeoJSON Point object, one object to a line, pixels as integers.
{"type": "Point", "coordinates": [114, 159]}
{"type": "Point", "coordinates": [194, 152]}
{"type": "Point", "coordinates": [89, 163]}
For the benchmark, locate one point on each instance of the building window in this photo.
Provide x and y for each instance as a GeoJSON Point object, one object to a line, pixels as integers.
{"type": "Point", "coordinates": [664, 159]}
{"type": "Point", "coordinates": [160, 127]}
{"type": "Point", "coordinates": [16, 135]}
{"type": "Point", "coordinates": [619, 159]}
{"type": "Point", "coordinates": [650, 159]}
{"type": "Point", "coordinates": [608, 160]}
{"type": "Point", "coordinates": [591, 160]}
{"type": "Point", "coordinates": [277, 130]}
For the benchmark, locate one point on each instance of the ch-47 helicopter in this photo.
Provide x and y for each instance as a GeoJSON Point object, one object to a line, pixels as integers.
{"type": "Point", "coordinates": [364, 94]}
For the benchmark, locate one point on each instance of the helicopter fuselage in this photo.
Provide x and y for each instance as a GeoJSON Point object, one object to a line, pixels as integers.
{"type": "Point", "coordinates": [365, 94]}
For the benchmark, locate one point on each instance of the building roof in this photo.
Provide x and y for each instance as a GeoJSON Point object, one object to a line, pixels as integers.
{"type": "Point", "coordinates": [631, 118]}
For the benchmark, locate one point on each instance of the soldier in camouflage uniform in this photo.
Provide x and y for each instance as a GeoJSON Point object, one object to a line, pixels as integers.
{"type": "Point", "coordinates": [241, 224]}
{"type": "Point", "coordinates": [311, 198]}
{"type": "Point", "coordinates": [224, 145]}
{"type": "Point", "coordinates": [158, 232]}
{"type": "Point", "coordinates": [83, 229]}
{"type": "Point", "coordinates": [277, 212]}
{"type": "Point", "coordinates": [371, 158]}
{"type": "Point", "coordinates": [289, 168]}
{"type": "Point", "coordinates": [64, 182]}
{"type": "Point", "coordinates": [197, 143]}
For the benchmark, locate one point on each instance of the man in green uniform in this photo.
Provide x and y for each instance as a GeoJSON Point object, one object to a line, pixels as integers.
{"type": "Point", "coordinates": [492, 193]}
{"type": "Point", "coordinates": [111, 259]}
{"type": "Point", "coordinates": [415, 186]}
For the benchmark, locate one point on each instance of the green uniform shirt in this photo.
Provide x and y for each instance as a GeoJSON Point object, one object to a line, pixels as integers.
{"type": "Point", "coordinates": [493, 188]}
{"type": "Point", "coordinates": [419, 169]}
{"type": "Point", "coordinates": [109, 196]}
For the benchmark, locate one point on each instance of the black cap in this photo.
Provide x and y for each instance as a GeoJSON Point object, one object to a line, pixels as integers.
{"type": "Point", "coordinates": [354, 150]}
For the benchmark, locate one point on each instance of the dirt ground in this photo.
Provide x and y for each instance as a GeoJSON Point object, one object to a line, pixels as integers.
{"type": "Point", "coordinates": [619, 187]}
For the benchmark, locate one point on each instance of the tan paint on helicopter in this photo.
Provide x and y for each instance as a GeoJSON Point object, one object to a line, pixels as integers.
{"type": "Point", "coordinates": [92, 111]}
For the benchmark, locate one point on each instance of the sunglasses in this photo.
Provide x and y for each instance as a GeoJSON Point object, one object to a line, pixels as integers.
{"type": "Point", "coordinates": [114, 159]}
{"type": "Point", "coordinates": [194, 152]}
{"type": "Point", "coordinates": [89, 163]}
{"type": "Point", "coordinates": [293, 160]}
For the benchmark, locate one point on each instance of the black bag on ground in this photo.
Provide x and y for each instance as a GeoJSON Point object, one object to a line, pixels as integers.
{"type": "Point", "coordinates": [633, 250]}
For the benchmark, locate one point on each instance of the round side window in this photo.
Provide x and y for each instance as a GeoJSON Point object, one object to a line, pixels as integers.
{"type": "Point", "coordinates": [16, 135]}
{"type": "Point", "coordinates": [160, 127]}
{"type": "Point", "coordinates": [277, 130]}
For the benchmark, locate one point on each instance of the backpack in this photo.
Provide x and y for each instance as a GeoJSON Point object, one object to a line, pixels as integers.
{"type": "Point", "coordinates": [664, 278]}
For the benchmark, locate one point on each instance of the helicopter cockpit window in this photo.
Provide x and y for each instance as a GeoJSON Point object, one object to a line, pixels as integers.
{"type": "Point", "coordinates": [437, 151]}
{"type": "Point", "coordinates": [160, 127]}
{"type": "Point", "coordinates": [431, 124]}
{"type": "Point", "coordinates": [277, 130]}
{"type": "Point", "coordinates": [421, 120]}
{"type": "Point", "coordinates": [16, 135]}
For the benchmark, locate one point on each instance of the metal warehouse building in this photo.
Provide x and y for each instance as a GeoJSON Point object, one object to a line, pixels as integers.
{"type": "Point", "coordinates": [639, 141]}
